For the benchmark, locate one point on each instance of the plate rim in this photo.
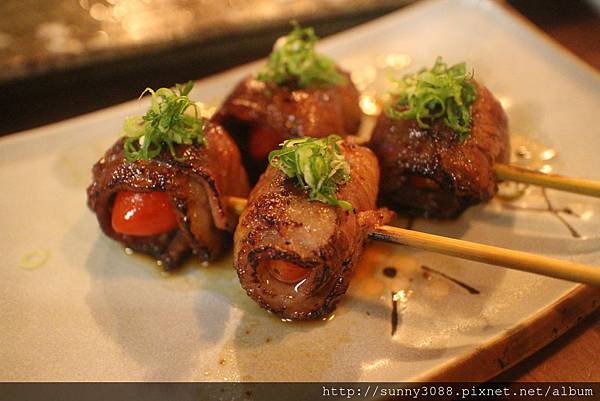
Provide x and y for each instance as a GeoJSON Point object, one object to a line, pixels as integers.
{"type": "Point", "coordinates": [507, 350]}
{"type": "Point", "coordinates": [561, 315]}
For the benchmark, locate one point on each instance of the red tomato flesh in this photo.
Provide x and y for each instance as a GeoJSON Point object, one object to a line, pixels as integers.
{"type": "Point", "coordinates": [287, 272]}
{"type": "Point", "coordinates": [262, 140]}
{"type": "Point", "coordinates": [143, 213]}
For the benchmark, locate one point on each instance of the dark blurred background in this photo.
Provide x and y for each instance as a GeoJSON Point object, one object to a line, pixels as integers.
{"type": "Point", "coordinates": [62, 58]}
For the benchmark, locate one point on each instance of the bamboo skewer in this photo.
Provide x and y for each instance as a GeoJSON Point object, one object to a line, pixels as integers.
{"type": "Point", "coordinates": [562, 183]}
{"type": "Point", "coordinates": [528, 262]}
{"type": "Point", "coordinates": [493, 255]}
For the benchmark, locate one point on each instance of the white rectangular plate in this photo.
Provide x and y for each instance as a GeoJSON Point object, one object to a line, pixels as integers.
{"type": "Point", "coordinates": [74, 306]}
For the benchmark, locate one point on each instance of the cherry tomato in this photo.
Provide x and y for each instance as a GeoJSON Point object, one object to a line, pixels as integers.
{"type": "Point", "coordinates": [287, 272]}
{"type": "Point", "coordinates": [262, 140]}
{"type": "Point", "coordinates": [143, 213]}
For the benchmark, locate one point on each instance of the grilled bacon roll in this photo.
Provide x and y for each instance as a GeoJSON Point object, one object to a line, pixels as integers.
{"type": "Point", "coordinates": [261, 115]}
{"type": "Point", "coordinates": [295, 257]}
{"type": "Point", "coordinates": [433, 172]}
{"type": "Point", "coordinates": [180, 198]}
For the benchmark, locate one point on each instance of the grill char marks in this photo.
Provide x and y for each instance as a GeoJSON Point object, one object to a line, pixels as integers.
{"type": "Point", "coordinates": [280, 223]}
{"type": "Point", "coordinates": [315, 112]}
{"type": "Point", "coordinates": [196, 186]}
{"type": "Point", "coordinates": [430, 172]}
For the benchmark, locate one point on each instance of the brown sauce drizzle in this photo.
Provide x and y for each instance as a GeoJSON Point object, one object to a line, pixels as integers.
{"type": "Point", "coordinates": [557, 212]}
{"type": "Point", "coordinates": [467, 287]}
{"type": "Point", "coordinates": [397, 296]}
{"type": "Point", "coordinates": [390, 272]}
{"type": "Point", "coordinates": [394, 316]}
{"type": "Point", "coordinates": [549, 209]}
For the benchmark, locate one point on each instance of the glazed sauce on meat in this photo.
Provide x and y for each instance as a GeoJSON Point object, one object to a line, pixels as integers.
{"type": "Point", "coordinates": [143, 213]}
{"type": "Point", "coordinates": [422, 183]}
{"type": "Point", "coordinates": [262, 140]}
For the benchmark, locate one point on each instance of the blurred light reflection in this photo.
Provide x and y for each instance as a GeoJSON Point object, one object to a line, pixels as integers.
{"type": "Point", "coordinates": [368, 105]}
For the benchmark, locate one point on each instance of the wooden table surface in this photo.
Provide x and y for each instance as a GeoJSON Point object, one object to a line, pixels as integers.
{"type": "Point", "coordinates": [575, 356]}
{"type": "Point", "coordinates": [573, 23]}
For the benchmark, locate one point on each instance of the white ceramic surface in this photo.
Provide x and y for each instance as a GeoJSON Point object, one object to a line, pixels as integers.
{"type": "Point", "coordinates": [74, 306]}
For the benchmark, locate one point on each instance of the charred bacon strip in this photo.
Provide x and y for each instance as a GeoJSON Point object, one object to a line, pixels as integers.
{"type": "Point", "coordinates": [435, 171]}
{"type": "Point", "coordinates": [297, 93]}
{"type": "Point", "coordinates": [196, 183]}
{"type": "Point", "coordinates": [282, 112]}
{"type": "Point", "coordinates": [282, 232]}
